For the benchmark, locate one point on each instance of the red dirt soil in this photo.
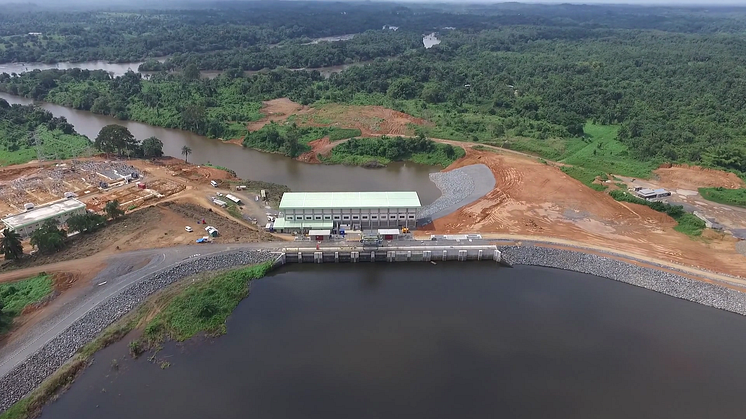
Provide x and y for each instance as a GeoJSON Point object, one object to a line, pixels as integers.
{"type": "Point", "coordinates": [693, 177]}
{"type": "Point", "coordinates": [535, 199]}
{"type": "Point", "coordinates": [277, 110]}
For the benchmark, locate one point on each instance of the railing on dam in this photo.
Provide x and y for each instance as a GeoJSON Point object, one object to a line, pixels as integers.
{"type": "Point", "coordinates": [400, 253]}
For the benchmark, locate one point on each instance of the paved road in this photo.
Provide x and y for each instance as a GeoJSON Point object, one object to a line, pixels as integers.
{"type": "Point", "coordinates": [118, 275]}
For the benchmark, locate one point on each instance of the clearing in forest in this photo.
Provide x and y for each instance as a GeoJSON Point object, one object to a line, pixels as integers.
{"type": "Point", "coordinates": [370, 120]}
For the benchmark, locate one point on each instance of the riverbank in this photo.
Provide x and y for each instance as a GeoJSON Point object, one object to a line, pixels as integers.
{"type": "Point", "coordinates": [26, 377]}
{"type": "Point", "coordinates": [659, 279]}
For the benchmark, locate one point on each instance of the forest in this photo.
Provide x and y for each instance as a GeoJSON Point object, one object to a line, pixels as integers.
{"type": "Point", "coordinates": [614, 88]}
{"type": "Point", "coordinates": [23, 127]}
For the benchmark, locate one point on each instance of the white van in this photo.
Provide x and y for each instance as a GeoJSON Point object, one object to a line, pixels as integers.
{"type": "Point", "coordinates": [214, 184]}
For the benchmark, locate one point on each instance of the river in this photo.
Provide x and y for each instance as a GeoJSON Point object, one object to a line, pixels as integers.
{"type": "Point", "coordinates": [454, 340]}
{"type": "Point", "coordinates": [256, 165]}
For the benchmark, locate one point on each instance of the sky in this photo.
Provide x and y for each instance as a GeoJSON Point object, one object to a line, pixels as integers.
{"type": "Point", "coordinates": [136, 3]}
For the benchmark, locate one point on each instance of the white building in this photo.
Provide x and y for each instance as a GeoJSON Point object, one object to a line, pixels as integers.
{"type": "Point", "coordinates": [26, 222]}
{"type": "Point", "coordinates": [302, 211]}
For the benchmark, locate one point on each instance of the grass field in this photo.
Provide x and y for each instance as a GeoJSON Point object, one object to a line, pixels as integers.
{"type": "Point", "coordinates": [203, 306]}
{"type": "Point", "coordinates": [586, 176]}
{"type": "Point", "coordinates": [18, 295]}
{"type": "Point", "coordinates": [688, 223]}
{"type": "Point", "coordinates": [725, 196]}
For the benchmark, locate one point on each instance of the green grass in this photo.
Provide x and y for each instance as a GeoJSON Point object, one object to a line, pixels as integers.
{"type": "Point", "coordinates": [601, 151]}
{"type": "Point", "coordinates": [586, 176]}
{"type": "Point", "coordinates": [234, 211]}
{"type": "Point", "coordinates": [204, 306]}
{"type": "Point", "coordinates": [725, 196]}
{"type": "Point", "coordinates": [336, 134]}
{"type": "Point", "coordinates": [18, 295]}
{"type": "Point", "coordinates": [690, 225]}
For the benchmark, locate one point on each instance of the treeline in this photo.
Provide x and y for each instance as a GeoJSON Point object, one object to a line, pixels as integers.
{"type": "Point", "coordinates": [132, 35]}
{"type": "Point", "coordinates": [381, 150]}
{"type": "Point", "coordinates": [676, 97]}
{"type": "Point", "coordinates": [363, 47]}
{"type": "Point", "coordinates": [22, 128]}
{"type": "Point", "coordinates": [292, 140]}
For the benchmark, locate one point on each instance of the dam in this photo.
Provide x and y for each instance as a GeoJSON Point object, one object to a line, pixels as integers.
{"type": "Point", "coordinates": [400, 252]}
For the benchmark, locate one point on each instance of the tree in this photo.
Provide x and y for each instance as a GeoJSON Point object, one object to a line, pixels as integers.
{"type": "Point", "coordinates": [186, 151]}
{"type": "Point", "coordinates": [112, 209]}
{"type": "Point", "coordinates": [48, 238]}
{"type": "Point", "coordinates": [152, 147]}
{"type": "Point", "coordinates": [117, 139]}
{"type": "Point", "coordinates": [11, 245]}
{"type": "Point", "coordinates": [191, 72]}
{"type": "Point", "coordinates": [85, 223]}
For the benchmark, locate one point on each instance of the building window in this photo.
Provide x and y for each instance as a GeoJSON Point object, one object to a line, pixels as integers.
{"type": "Point", "coordinates": [345, 217]}
{"type": "Point", "coordinates": [309, 217]}
{"type": "Point", "coordinates": [336, 217]}
{"type": "Point", "coordinates": [355, 217]}
{"type": "Point", "coordinates": [402, 216]}
{"type": "Point", "coordinates": [327, 217]}
{"type": "Point", "coordinates": [411, 216]}
{"type": "Point", "coordinates": [365, 217]}
{"type": "Point", "coordinates": [373, 217]}
{"type": "Point", "coordinates": [318, 217]}
{"type": "Point", "coordinates": [289, 217]}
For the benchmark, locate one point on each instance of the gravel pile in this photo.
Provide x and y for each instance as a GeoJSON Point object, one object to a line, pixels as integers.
{"type": "Point", "coordinates": [458, 188]}
{"type": "Point", "coordinates": [27, 376]}
{"type": "Point", "coordinates": [664, 282]}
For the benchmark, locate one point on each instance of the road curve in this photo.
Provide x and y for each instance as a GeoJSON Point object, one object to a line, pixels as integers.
{"type": "Point", "coordinates": [106, 284]}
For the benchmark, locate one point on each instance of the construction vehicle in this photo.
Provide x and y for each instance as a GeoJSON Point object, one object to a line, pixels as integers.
{"type": "Point", "coordinates": [405, 230]}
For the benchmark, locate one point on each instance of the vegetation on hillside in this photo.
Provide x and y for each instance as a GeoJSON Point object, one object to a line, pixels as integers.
{"type": "Point", "coordinates": [725, 196]}
{"type": "Point", "coordinates": [23, 127]}
{"type": "Point", "coordinates": [15, 296]}
{"type": "Point", "coordinates": [382, 150]}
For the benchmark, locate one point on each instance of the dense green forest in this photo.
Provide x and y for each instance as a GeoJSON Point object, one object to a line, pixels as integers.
{"type": "Point", "coordinates": [23, 127]}
{"type": "Point", "coordinates": [375, 152]}
{"type": "Point", "coordinates": [609, 88]}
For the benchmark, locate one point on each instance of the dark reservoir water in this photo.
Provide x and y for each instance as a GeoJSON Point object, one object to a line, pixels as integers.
{"type": "Point", "coordinates": [255, 165]}
{"type": "Point", "coordinates": [446, 341]}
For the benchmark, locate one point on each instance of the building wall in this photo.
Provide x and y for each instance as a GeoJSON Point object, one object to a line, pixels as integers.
{"type": "Point", "coordinates": [26, 230]}
{"type": "Point", "coordinates": [363, 218]}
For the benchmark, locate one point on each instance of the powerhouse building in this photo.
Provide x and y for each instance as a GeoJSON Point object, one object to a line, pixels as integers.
{"type": "Point", "coordinates": [27, 222]}
{"type": "Point", "coordinates": [304, 211]}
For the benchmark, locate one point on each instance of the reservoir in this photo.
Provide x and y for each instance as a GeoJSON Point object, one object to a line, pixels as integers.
{"type": "Point", "coordinates": [256, 165]}
{"type": "Point", "coordinates": [453, 340]}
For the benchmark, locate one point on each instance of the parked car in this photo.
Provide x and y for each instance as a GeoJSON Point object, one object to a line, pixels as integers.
{"type": "Point", "coordinates": [188, 229]}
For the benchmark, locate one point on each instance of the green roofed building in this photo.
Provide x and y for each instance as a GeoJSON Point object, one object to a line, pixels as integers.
{"type": "Point", "coordinates": [27, 222]}
{"type": "Point", "coordinates": [302, 211]}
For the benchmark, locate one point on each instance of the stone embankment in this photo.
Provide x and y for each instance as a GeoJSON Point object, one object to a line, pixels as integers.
{"type": "Point", "coordinates": [656, 280]}
{"type": "Point", "coordinates": [458, 187]}
{"type": "Point", "coordinates": [27, 376]}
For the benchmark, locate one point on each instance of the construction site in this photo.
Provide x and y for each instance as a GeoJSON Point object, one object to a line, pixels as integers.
{"type": "Point", "coordinates": [93, 181]}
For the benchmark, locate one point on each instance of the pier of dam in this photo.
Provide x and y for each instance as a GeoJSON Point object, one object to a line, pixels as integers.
{"type": "Point", "coordinates": [392, 253]}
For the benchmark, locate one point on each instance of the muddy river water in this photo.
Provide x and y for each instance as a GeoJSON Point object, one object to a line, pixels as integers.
{"type": "Point", "coordinates": [255, 165]}
{"type": "Point", "coordinates": [453, 340]}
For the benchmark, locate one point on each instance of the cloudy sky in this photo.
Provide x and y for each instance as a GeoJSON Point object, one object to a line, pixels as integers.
{"type": "Point", "coordinates": [164, 2]}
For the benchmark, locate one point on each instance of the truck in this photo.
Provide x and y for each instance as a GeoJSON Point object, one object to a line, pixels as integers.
{"type": "Point", "coordinates": [263, 193]}
{"type": "Point", "coordinates": [220, 203]}
{"type": "Point", "coordinates": [233, 198]}
{"type": "Point", "coordinates": [240, 187]}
